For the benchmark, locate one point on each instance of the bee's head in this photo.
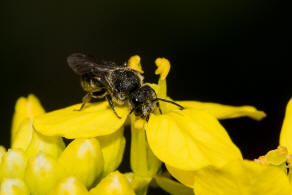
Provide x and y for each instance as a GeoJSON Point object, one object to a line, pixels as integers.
{"type": "Point", "coordinates": [142, 101]}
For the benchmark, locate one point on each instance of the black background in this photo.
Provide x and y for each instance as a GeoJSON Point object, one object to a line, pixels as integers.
{"type": "Point", "coordinates": [231, 52]}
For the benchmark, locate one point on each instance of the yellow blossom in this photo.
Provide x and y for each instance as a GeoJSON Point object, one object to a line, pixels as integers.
{"type": "Point", "coordinates": [187, 140]}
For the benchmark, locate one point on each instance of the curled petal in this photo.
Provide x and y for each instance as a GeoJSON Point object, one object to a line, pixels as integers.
{"type": "Point", "coordinates": [286, 131]}
{"type": "Point", "coordinates": [221, 111]}
{"type": "Point", "coordinates": [163, 67]}
{"type": "Point", "coordinates": [241, 177]}
{"type": "Point", "coordinates": [190, 139]}
{"type": "Point", "coordinates": [134, 63]}
{"type": "Point", "coordinates": [93, 120]}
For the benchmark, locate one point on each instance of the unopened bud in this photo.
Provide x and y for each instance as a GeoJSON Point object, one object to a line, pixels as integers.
{"type": "Point", "coordinates": [113, 184]}
{"type": "Point", "coordinates": [83, 159]}
{"type": "Point", "coordinates": [13, 186]}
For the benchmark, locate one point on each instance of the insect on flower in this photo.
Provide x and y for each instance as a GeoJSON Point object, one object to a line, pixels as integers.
{"type": "Point", "coordinates": [117, 84]}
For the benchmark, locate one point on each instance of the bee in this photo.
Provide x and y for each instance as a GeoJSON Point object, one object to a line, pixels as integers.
{"type": "Point", "coordinates": [119, 84]}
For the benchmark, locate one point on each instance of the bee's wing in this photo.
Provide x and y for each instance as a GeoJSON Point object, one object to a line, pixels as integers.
{"type": "Point", "coordinates": [82, 64]}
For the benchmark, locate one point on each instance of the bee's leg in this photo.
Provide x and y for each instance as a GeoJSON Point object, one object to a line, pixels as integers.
{"type": "Point", "coordinates": [85, 100]}
{"type": "Point", "coordinates": [99, 95]}
{"type": "Point", "coordinates": [109, 99]}
{"type": "Point", "coordinates": [158, 105]}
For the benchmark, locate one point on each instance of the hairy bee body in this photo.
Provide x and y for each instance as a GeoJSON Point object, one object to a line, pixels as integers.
{"type": "Point", "coordinates": [118, 84]}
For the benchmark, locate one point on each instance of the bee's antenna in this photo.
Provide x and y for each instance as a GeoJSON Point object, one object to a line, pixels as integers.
{"type": "Point", "coordinates": [171, 102]}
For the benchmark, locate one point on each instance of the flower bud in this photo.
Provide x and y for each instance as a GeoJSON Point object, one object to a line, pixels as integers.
{"type": "Point", "coordinates": [42, 173]}
{"type": "Point", "coordinates": [83, 159]}
{"type": "Point", "coordinates": [112, 147]}
{"type": "Point", "coordinates": [25, 108]}
{"type": "Point", "coordinates": [22, 137]}
{"type": "Point", "coordinates": [113, 184]}
{"type": "Point", "coordinates": [13, 164]}
{"type": "Point", "coordinates": [49, 145]}
{"type": "Point", "coordinates": [69, 186]}
{"type": "Point", "coordinates": [2, 152]}
{"type": "Point", "coordinates": [14, 186]}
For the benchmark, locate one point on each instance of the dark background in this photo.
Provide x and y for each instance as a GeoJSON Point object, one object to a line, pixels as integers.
{"type": "Point", "coordinates": [232, 52]}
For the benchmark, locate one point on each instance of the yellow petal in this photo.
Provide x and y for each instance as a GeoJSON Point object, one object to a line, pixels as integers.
{"type": "Point", "coordinates": [13, 186]}
{"type": "Point", "coordinates": [163, 67]}
{"type": "Point", "coordinates": [22, 137]}
{"type": "Point", "coordinates": [113, 184]}
{"type": "Point", "coordinates": [29, 107]}
{"type": "Point", "coordinates": [83, 159]}
{"type": "Point", "coordinates": [69, 186]}
{"type": "Point", "coordinates": [42, 173]}
{"type": "Point", "coordinates": [190, 139]}
{"type": "Point", "coordinates": [112, 147]}
{"type": "Point", "coordinates": [286, 131]}
{"type": "Point", "coordinates": [134, 63]}
{"type": "Point", "coordinates": [13, 164]}
{"type": "Point", "coordinates": [95, 119]}
{"type": "Point", "coordinates": [221, 111]}
{"type": "Point", "coordinates": [241, 177]}
{"type": "Point", "coordinates": [50, 145]}
{"type": "Point", "coordinates": [183, 176]}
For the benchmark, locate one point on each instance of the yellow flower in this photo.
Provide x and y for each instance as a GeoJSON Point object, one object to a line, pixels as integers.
{"type": "Point", "coordinates": [186, 140]}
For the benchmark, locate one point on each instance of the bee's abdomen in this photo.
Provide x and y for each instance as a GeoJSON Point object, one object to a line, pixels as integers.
{"type": "Point", "coordinates": [90, 84]}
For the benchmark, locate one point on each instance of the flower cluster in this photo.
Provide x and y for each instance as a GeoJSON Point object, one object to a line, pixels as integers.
{"type": "Point", "coordinates": [78, 152]}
